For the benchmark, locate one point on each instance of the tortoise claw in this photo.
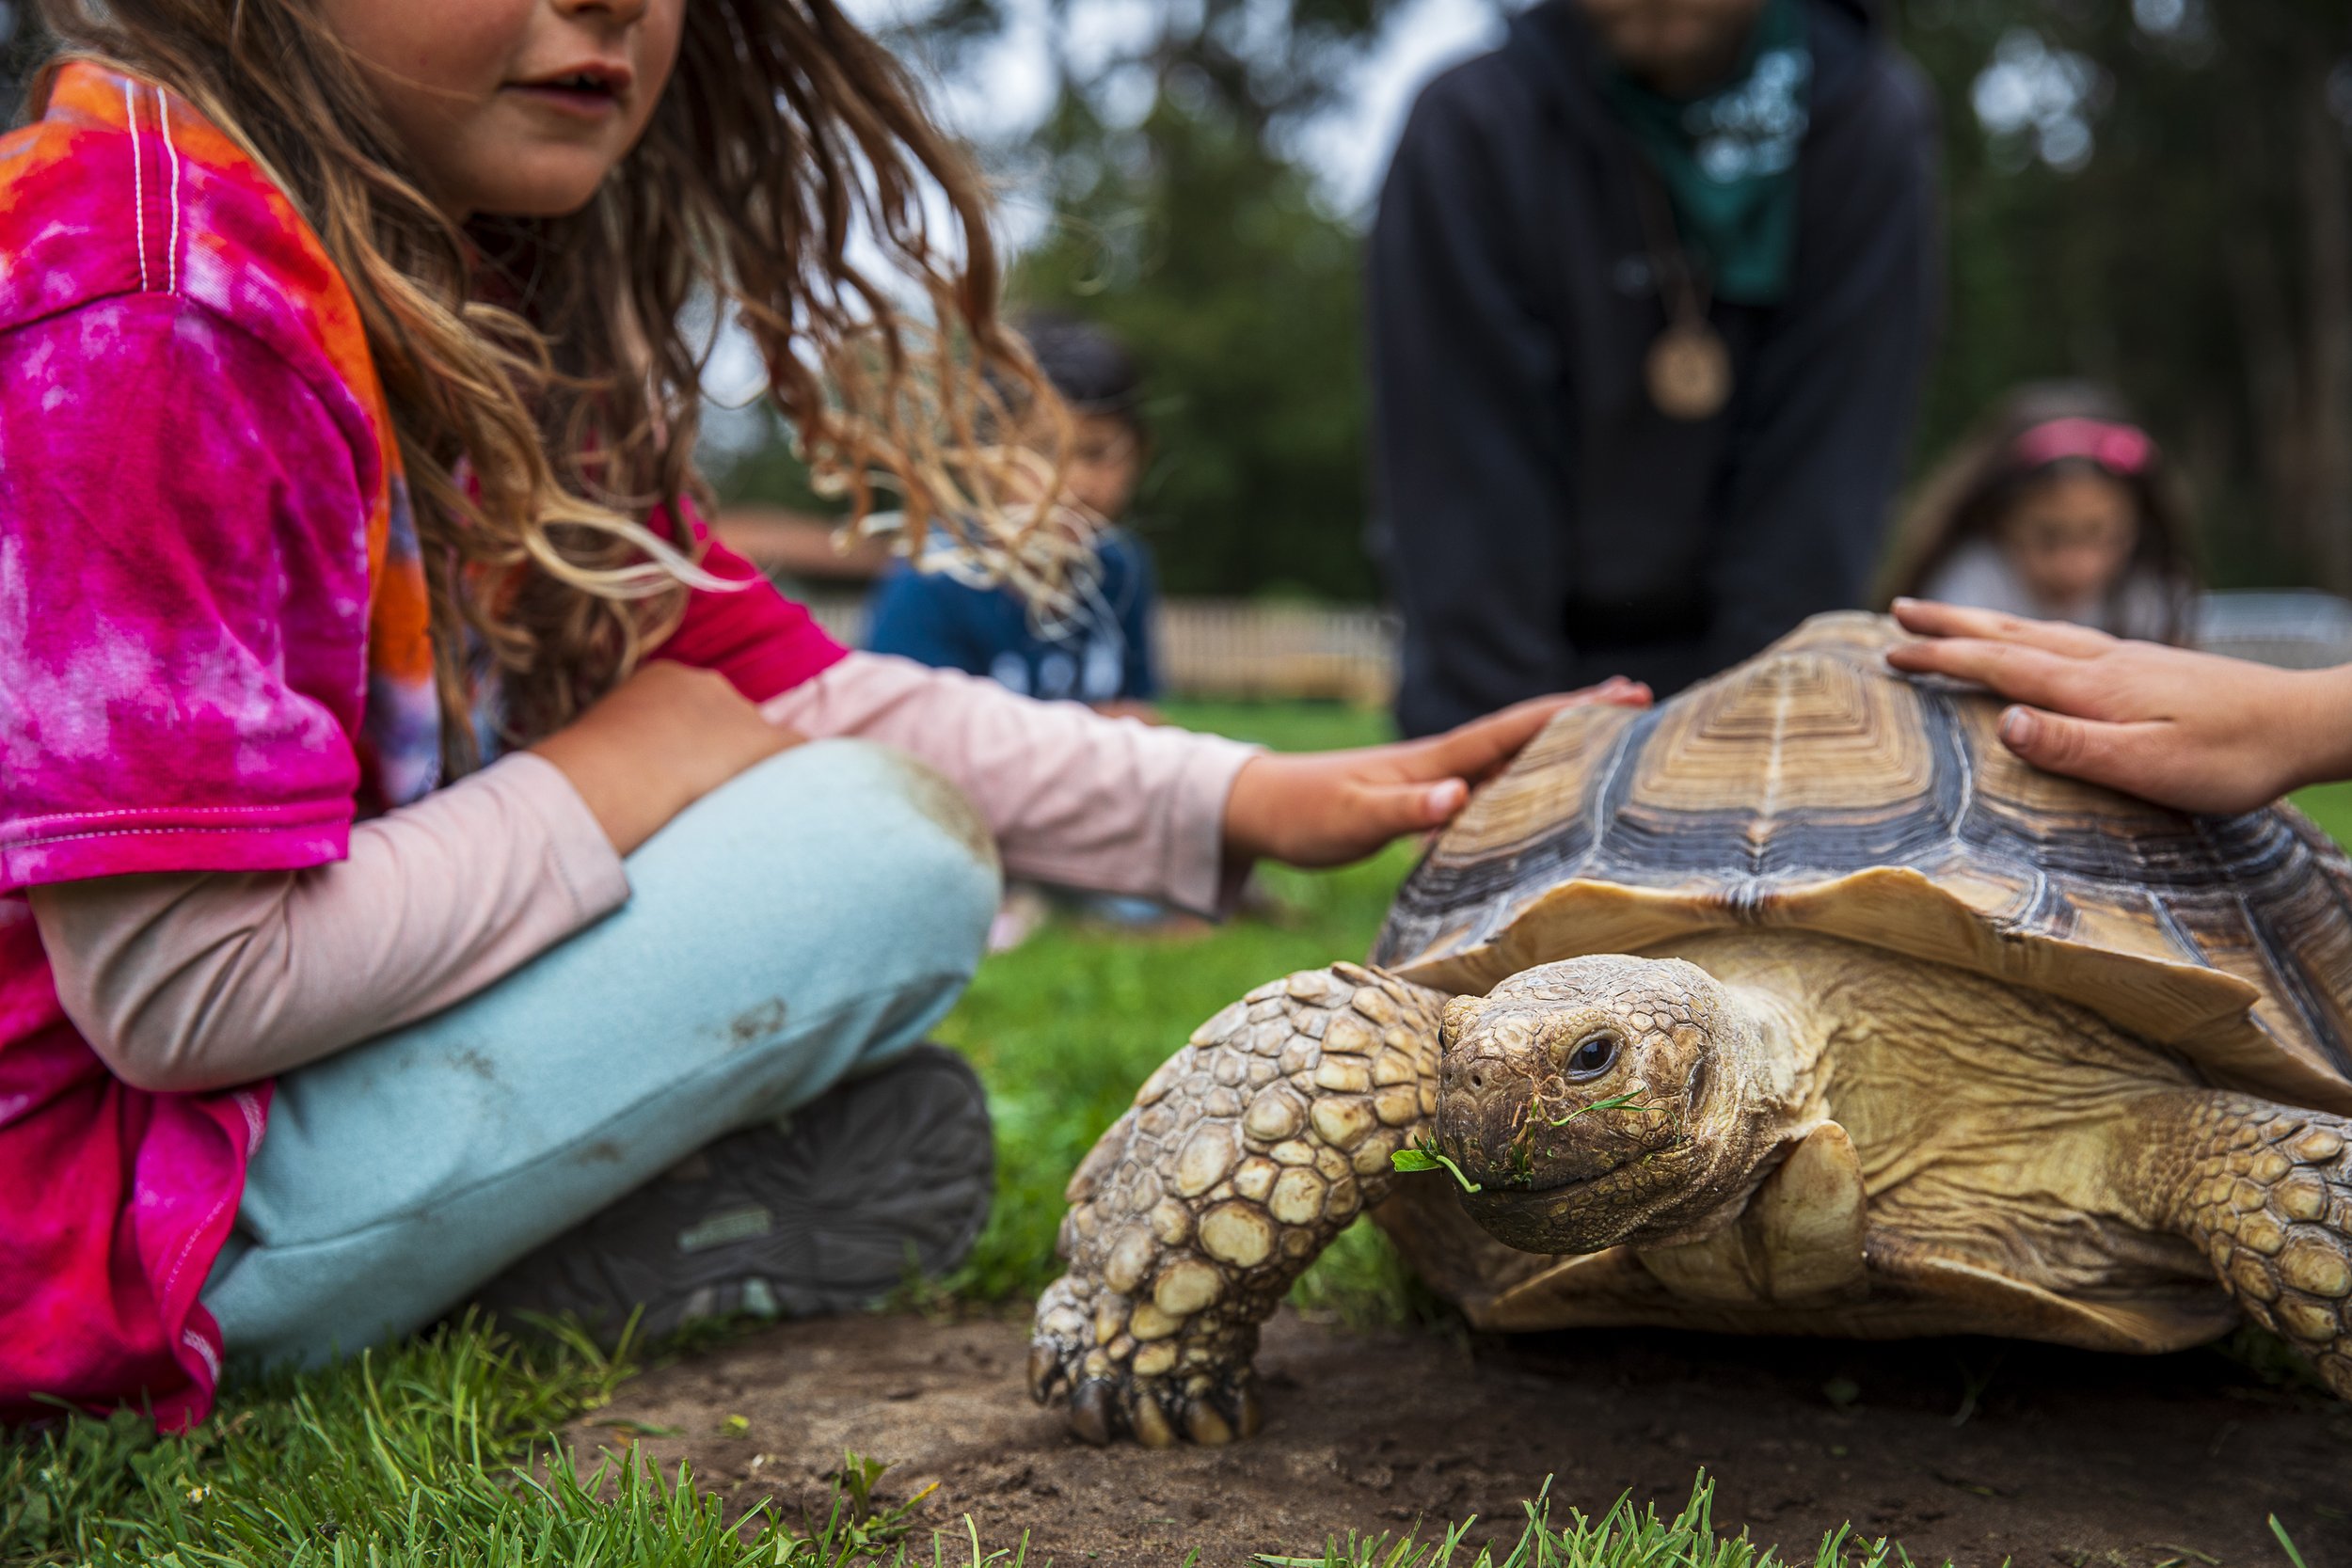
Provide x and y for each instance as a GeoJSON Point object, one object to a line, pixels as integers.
{"type": "Point", "coordinates": [1205, 1425]}
{"type": "Point", "coordinates": [1045, 1373]}
{"type": "Point", "coordinates": [1248, 1413]}
{"type": "Point", "coordinates": [1091, 1411]}
{"type": "Point", "coordinates": [1150, 1422]}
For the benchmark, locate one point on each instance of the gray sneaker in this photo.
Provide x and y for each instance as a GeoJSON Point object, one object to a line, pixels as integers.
{"type": "Point", "coordinates": [822, 1210]}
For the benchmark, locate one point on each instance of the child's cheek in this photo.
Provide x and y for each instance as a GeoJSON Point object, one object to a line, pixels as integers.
{"type": "Point", "coordinates": [461, 48]}
{"type": "Point", "coordinates": [664, 24]}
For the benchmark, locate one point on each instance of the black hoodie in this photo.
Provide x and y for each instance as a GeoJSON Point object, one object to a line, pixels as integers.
{"type": "Point", "coordinates": [1542, 524]}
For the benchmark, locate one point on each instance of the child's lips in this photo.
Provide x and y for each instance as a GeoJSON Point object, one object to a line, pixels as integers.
{"type": "Point", "coordinates": [589, 103]}
{"type": "Point", "coordinates": [592, 89]}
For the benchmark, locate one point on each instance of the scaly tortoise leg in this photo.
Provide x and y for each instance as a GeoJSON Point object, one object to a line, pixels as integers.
{"type": "Point", "coordinates": [2265, 1191]}
{"type": "Point", "coordinates": [1246, 1153]}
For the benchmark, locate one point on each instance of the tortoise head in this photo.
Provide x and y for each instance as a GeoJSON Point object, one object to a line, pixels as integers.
{"type": "Point", "coordinates": [1599, 1100]}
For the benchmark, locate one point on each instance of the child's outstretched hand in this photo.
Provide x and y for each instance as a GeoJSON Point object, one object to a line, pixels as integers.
{"type": "Point", "coordinates": [2193, 731]}
{"type": "Point", "coordinates": [1328, 808]}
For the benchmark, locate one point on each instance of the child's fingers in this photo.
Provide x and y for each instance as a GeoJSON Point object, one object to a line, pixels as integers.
{"type": "Point", "coordinates": [1616, 692]}
{"type": "Point", "coordinates": [1392, 811]}
{"type": "Point", "coordinates": [1934, 618]}
{"type": "Point", "coordinates": [1440, 802]}
{"type": "Point", "coordinates": [2024, 675]}
{"type": "Point", "coordinates": [1473, 750]}
{"type": "Point", "coordinates": [1479, 745]}
{"type": "Point", "coordinates": [2128, 757]}
{"type": "Point", "coordinates": [2055, 743]}
{"type": "Point", "coordinates": [1931, 619]}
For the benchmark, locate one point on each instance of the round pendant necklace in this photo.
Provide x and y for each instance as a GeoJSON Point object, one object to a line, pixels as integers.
{"type": "Point", "coordinates": [1688, 369]}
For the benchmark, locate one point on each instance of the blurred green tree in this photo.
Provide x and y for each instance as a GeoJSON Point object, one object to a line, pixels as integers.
{"type": "Point", "coordinates": [1182, 220]}
{"type": "Point", "coordinates": [1209, 256]}
{"type": "Point", "coordinates": [2155, 194]}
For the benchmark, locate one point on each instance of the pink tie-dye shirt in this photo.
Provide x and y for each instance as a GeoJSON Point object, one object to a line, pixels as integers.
{"type": "Point", "coordinates": [213, 658]}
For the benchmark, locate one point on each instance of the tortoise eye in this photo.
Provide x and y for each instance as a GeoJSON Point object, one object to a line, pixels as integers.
{"type": "Point", "coordinates": [1594, 1056]}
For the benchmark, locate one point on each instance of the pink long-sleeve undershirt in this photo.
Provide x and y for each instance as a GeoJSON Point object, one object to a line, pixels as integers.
{"type": "Point", "coordinates": [189, 981]}
{"type": "Point", "coordinates": [1072, 797]}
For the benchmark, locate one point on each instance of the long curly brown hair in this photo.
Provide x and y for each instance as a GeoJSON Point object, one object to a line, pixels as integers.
{"type": "Point", "coordinates": [542, 379]}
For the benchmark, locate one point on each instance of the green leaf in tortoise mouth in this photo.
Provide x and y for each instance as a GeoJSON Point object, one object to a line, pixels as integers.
{"type": "Point", "coordinates": [1424, 1156]}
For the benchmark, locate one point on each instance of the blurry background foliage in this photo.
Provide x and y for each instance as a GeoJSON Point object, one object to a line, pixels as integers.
{"type": "Point", "coordinates": [2156, 193]}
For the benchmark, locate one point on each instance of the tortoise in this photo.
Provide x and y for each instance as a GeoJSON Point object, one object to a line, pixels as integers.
{"type": "Point", "coordinates": [1796, 1004]}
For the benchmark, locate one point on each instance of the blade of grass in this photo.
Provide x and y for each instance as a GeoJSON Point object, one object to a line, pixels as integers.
{"type": "Point", "coordinates": [2286, 1541]}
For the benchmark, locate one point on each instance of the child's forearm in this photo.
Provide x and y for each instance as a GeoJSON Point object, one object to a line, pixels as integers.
{"type": "Point", "coordinates": [1071, 796]}
{"type": "Point", "coordinates": [198, 980]}
{"type": "Point", "coordinates": [2318, 727]}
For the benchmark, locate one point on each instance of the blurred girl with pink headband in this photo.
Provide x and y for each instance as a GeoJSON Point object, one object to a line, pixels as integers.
{"type": "Point", "coordinates": [2056, 508]}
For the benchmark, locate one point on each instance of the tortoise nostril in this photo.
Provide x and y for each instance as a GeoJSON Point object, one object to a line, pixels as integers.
{"type": "Point", "coordinates": [1478, 1082]}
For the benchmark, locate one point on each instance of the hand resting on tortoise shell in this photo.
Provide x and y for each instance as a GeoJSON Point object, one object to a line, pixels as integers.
{"type": "Point", "coordinates": [1328, 808]}
{"type": "Point", "coordinates": [2190, 730]}
{"type": "Point", "coordinates": [1800, 1005]}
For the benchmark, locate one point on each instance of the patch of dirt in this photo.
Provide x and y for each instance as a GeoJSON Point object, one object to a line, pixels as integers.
{"type": "Point", "coordinates": [1967, 1449]}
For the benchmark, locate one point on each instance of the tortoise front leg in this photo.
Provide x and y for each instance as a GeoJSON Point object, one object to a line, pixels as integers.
{"type": "Point", "coordinates": [1246, 1153]}
{"type": "Point", "coordinates": [2266, 1192]}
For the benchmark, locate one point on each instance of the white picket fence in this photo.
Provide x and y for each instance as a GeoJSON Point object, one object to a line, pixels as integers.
{"type": "Point", "coordinates": [2300, 629]}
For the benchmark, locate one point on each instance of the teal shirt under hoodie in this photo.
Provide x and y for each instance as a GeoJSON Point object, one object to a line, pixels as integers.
{"type": "Point", "coordinates": [1728, 158]}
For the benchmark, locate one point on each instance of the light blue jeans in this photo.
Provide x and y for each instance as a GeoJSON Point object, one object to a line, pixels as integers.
{"type": "Point", "coordinates": [804, 923]}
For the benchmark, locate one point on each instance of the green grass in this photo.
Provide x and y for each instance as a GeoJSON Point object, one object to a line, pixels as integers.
{"type": "Point", "coordinates": [2330, 806]}
{"type": "Point", "coordinates": [435, 1451]}
{"type": "Point", "coordinates": [1623, 1537]}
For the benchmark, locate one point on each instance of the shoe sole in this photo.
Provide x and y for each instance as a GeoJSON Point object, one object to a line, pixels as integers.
{"type": "Point", "coordinates": [823, 1211]}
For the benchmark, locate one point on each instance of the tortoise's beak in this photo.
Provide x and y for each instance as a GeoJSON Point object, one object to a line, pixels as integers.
{"type": "Point", "coordinates": [1582, 1216]}
{"type": "Point", "coordinates": [1486, 1096]}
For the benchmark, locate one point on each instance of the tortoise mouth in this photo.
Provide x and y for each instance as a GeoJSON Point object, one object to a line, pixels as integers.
{"type": "Point", "coordinates": [1582, 1213]}
{"type": "Point", "coordinates": [1514, 1148]}
{"type": "Point", "coordinates": [1626, 1172]}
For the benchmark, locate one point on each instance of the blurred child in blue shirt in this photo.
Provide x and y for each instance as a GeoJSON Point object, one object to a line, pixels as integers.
{"type": "Point", "coordinates": [1103, 654]}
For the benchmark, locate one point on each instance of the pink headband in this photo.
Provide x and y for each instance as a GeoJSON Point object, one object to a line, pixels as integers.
{"type": "Point", "coordinates": [2119, 448]}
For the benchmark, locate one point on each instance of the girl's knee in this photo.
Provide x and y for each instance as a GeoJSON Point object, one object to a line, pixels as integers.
{"type": "Point", "coordinates": [887, 844]}
{"type": "Point", "coordinates": [928, 843]}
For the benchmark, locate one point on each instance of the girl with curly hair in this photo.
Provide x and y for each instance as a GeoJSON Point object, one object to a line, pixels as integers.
{"type": "Point", "coordinates": [430, 867]}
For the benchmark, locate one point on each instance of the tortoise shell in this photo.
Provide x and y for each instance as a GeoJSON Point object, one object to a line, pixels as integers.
{"type": "Point", "coordinates": [1814, 789]}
